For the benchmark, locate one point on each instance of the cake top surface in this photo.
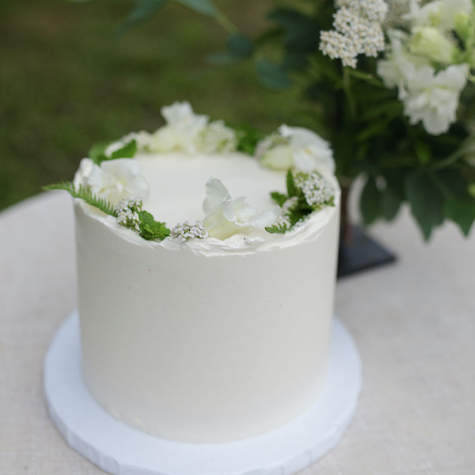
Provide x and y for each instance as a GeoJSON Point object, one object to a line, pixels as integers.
{"type": "Point", "coordinates": [218, 189]}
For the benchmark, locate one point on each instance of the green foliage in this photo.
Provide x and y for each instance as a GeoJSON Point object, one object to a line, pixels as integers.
{"type": "Point", "coordinates": [426, 201]}
{"type": "Point", "coordinates": [272, 75]}
{"type": "Point", "coordinates": [280, 228]}
{"type": "Point", "coordinates": [279, 198]}
{"type": "Point", "coordinates": [151, 229]}
{"type": "Point", "coordinates": [143, 11]}
{"type": "Point", "coordinates": [203, 7]}
{"type": "Point", "coordinates": [97, 152]}
{"type": "Point", "coordinates": [248, 138]}
{"type": "Point", "coordinates": [370, 201]}
{"type": "Point", "coordinates": [84, 193]}
{"type": "Point", "coordinates": [292, 190]}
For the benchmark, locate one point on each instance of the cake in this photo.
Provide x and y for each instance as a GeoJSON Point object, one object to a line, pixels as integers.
{"type": "Point", "coordinates": [206, 273]}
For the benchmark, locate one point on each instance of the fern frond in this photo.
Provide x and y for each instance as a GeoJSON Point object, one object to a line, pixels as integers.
{"type": "Point", "coordinates": [84, 193]}
{"type": "Point", "coordinates": [280, 228]}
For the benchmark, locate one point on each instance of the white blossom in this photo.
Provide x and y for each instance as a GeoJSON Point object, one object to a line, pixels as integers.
{"type": "Point", "coordinates": [317, 190]}
{"type": "Point", "coordinates": [189, 230]}
{"type": "Point", "coordinates": [357, 31]}
{"type": "Point", "coordinates": [439, 14]}
{"type": "Point", "coordinates": [433, 97]}
{"type": "Point", "coordinates": [217, 137]}
{"type": "Point", "coordinates": [297, 147]}
{"type": "Point", "coordinates": [181, 131]}
{"type": "Point", "coordinates": [117, 179]}
{"type": "Point", "coordinates": [226, 216]}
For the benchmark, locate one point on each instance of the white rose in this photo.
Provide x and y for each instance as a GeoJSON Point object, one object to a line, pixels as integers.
{"type": "Point", "coordinates": [226, 216]}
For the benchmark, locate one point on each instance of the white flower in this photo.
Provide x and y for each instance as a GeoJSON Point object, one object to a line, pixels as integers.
{"type": "Point", "coordinates": [433, 98]}
{"type": "Point", "coordinates": [400, 67]}
{"type": "Point", "coordinates": [439, 14]}
{"type": "Point", "coordinates": [118, 179]}
{"type": "Point", "coordinates": [300, 148]}
{"type": "Point", "coordinates": [226, 216]}
{"type": "Point", "coordinates": [189, 230]}
{"type": "Point", "coordinates": [182, 129]}
{"type": "Point", "coordinates": [357, 31]}
{"type": "Point", "coordinates": [430, 43]}
{"type": "Point", "coordinates": [216, 137]}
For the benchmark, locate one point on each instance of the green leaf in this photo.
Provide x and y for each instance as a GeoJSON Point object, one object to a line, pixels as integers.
{"type": "Point", "coordinates": [301, 32]}
{"type": "Point", "coordinates": [370, 201]}
{"type": "Point", "coordinates": [248, 138]}
{"type": "Point", "coordinates": [452, 185]}
{"type": "Point", "coordinates": [204, 7]}
{"type": "Point", "coordinates": [426, 202]}
{"type": "Point", "coordinates": [279, 198]}
{"type": "Point", "coordinates": [295, 61]}
{"type": "Point", "coordinates": [127, 151]}
{"type": "Point", "coordinates": [271, 75]}
{"type": "Point", "coordinates": [292, 190]}
{"type": "Point", "coordinates": [97, 152]}
{"type": "Point", "coordinates": [151, 229]}
{"type": "Point", "coordinates": [462, 213]}
{"type": "Point", "coordinates": [84, 193]}
{"type": "Point", "coordinates": [240, 46]}
{"type": "Point", "coordinates": [144, 10]}
{"type": "Point", "coordinates": [390, 203]}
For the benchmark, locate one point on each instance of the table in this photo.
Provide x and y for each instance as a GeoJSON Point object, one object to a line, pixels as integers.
{"type": "Point", "coordinates": [413, 322]}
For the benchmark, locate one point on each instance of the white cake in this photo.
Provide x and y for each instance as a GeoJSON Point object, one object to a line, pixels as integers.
{"type": "Point", "coordinates": [217, 337]}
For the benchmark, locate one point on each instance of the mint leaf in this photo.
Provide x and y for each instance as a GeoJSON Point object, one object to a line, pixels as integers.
{"type": "Point", "coordinates": [151, 229]}
{"type": "Point", "coordinates": [279, 198]}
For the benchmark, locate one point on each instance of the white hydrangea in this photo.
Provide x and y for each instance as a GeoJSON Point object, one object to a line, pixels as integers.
{"type": "Point", "coordinates": [115, 180]}
{"type": "Point", "coordinates": [357, 31]}
{"type": "Point", "coordinates": [182, 130]}
{"type": "Point", "coordinates": [296, 147]}
{"type": "Point", "coordinates": [226, 216]}
{"type": "Point", "coordinates": [189, 230]}
{"type": "Point", "coordinates": [217, 137]}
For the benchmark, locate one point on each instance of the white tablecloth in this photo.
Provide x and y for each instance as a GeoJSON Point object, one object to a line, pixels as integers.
{"type": "Point", "coordinates": [413, 322]}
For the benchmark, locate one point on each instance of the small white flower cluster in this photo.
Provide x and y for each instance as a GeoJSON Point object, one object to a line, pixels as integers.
{"type": "Point", "coordinates": [273, 140]}
{"type": "Point", "coordinates": [189, 230]}
{"type": "Point", "coordinates": [316, 189]}
{"type": "Point", "coordinates": [357, 31]}
{"type": "Point", "coordinates": [127, 212]}
{"type": "Point", "coordinates": [216, 137]}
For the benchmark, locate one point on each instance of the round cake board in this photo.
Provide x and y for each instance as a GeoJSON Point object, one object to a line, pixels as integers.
{"type": "Point", "coordinates": [122, 450]}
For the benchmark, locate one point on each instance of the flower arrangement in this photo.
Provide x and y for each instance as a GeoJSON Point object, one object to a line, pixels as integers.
{"type": "Point", "coordinates": [112, 182]}
{"type": "Point", "coordinates": [388, 83]}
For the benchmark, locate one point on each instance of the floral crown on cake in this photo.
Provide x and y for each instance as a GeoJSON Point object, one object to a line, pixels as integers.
{"type": "Point", "coordinates": [111, 180]}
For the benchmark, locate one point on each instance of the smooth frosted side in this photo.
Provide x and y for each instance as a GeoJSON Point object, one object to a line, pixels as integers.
{"type": "Point", "coordinates": [204, 349]}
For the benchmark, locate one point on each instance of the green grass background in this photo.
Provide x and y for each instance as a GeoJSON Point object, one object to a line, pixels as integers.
{"type": "Point", "coordinates": [67, 81]}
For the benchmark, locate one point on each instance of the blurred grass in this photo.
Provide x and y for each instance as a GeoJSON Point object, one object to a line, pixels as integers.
{"type": "Point", "coordinates": [67, 81]}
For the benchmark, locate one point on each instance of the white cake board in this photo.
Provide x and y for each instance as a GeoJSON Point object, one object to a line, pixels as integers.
{"type": "Point", "coordinates": [121, 450]}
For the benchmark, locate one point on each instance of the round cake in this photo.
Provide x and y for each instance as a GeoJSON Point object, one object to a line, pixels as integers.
{"type": "Point", "coordinates": [207, 264]}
